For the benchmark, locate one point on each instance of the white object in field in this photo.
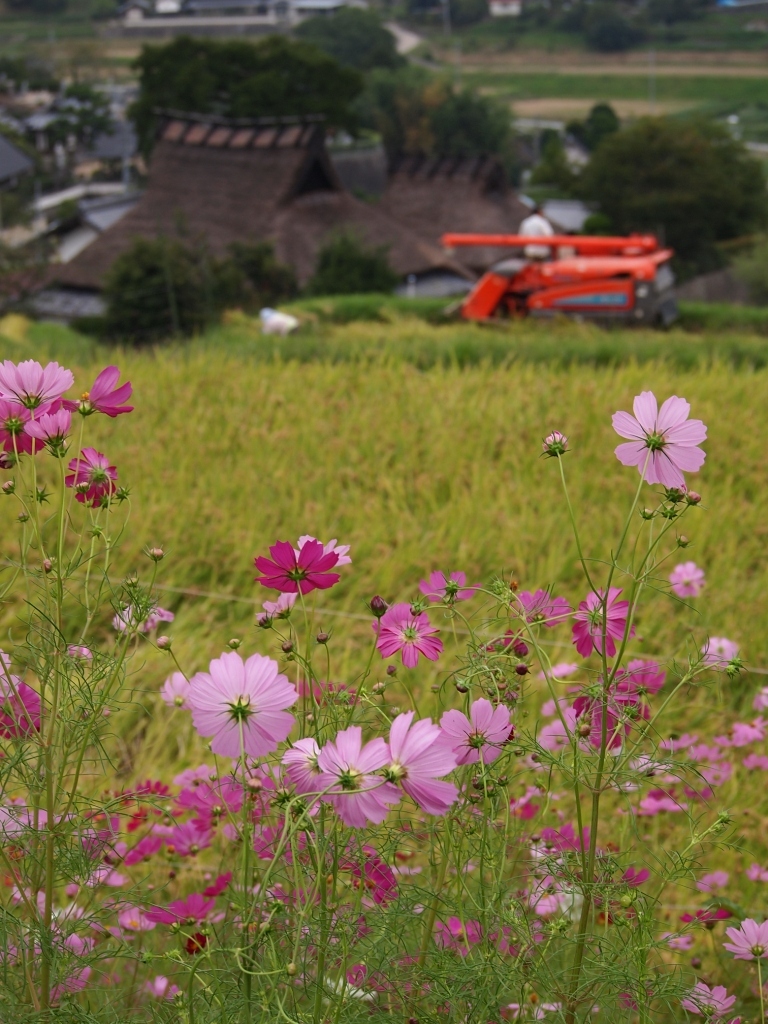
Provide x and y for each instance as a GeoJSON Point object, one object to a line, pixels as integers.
{"type": "Point", "coordinates": [273, 322]}
{"type": "Point", "coordinates": [506, 8]}
{"type": "Point", "coordinates": [536, 226]}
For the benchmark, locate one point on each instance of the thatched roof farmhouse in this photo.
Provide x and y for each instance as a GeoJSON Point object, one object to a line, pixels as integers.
{"type": "Point", "coordinates": [222, 181]}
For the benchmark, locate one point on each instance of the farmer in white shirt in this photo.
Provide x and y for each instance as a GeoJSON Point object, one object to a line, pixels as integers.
{"type": "Point", "coordinates": [536, 226]}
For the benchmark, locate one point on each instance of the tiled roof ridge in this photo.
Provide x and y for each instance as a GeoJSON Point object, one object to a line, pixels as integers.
{"type": "Point", "coordinates": [216, 132]}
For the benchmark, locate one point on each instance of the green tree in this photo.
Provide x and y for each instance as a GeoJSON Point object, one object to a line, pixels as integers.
{"type": "Point", "coordinates": [345, 267]}
{"type": "Point", "coordinates": [601, 122]}
{"type": "Point", "coordinates": [690, 179]}
{"type": "Point", "coordinates": [253, 277]}
{"type": "Point", "coordinates": [418, 113]}
{"type": "Point", "coordinates": [468, 12]}
{"type": "Point", "coordinates": [553, 167]}
{"type": "Point", "coordinates": [608, 31]}
{"type": "Point", "coordinates": [239, 79]}
{"type": "Point", "coordinates": [354, 37]}
{"type": "Point", "coordinates": [83, 111]}
{"type": "Point", "coordinates": [752, 268]}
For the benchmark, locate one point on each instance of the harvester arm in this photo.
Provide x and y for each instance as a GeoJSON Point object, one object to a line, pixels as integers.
{"type": "Point", "coordinates": [579, 245]}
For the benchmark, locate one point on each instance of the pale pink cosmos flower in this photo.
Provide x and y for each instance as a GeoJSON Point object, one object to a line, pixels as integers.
{"type": "Point", "coordinates": [50, 428]}
{"type": "Point", "coordinates": [760, 703]}
{"type": "Point", "coordinates": [485, 731]}
{"type": "Point", "coordinates": [658, 801]}
{"type": "Point", "coordinates": [301, 765]}
{"type": "Point", "coordinates": [687, 580]}
{"type": "Point", "coordinates": [663, 443]}
{"type": "Point", "coordinates": [76, 982]}
{"type": "Point", "coordinates": [752, 761]}
{"type": "Point", "coordinates": [562, 670]}
{"type": "Point", "coordinates": [161, 988]}
{"type": "Point", "coordinates": [591, 614]}
{"type": "Point", "coordinates": [756, 874]}
{"type": "Point", "coordinates": [678, 942]}
{"type": "Point", "coordinates": [331, 548]}
{"type": "Point", "coordinates": [126, 619]}
{"type": "Point", "coordinates": [713, 881]}
{"type": "Point", "coordinates": [241, 705]}
{"type": "Point", "coordinates": [452, 587]}
{"type": "Point", "coordinates": [80, 651]}
{"type": "Point", "coordinates": [133, 919]}
{"type": "Point", "coordinates": [555, 444]}
{"type": "Point", "coordinates": [33, 385]}
{"type": "Point", "coordinates": [106, 395]}
{"type": "Point", "coordinates": [708, 1002]}
{"type": "Point", "coordinates": [175, 690]}
{"type": "Point", "coordinates": [420, 755]}
{"type": "Point", "coordinates": [400, 630]}
{"type": "Point", "coordinates": [718, 651]}
{"type": "Point", "coordinates": [347, 780]}
{"type": "Point", "coordinates": [540, 607]}
{"type": "Point", "coordinates": [749, 941]}
{"type": "Point", "coordinates": [279, 609]}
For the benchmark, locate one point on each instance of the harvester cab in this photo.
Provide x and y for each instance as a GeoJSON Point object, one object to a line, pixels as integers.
{"type": "Point", "coordinates": [610, 280]}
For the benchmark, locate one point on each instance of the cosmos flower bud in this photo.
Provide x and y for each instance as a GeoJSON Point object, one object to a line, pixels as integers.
{"type": "Point", "coordinates": [47, 565]}
{"type": "Point", "coordinates": [9, 487]}
{"type": "Point", "coordinates": [522, 669]}
{"type": "Point", "coordinates": [693, 497]}
{"type": "Point", "coordinates": [322, 638]}
{"type": "Point", "coordinates": [391, 670]}
{"type": "Point", "coordinates": [555, 444]}
{"type": "Point", "coordinates": [287, 646]}
{"type": "Point", "coordinates": [682, 541]}
{"type": "Point", "coordinates": [164, 643]}
{"type": "Point", "coordinates": [378, 606]}
{"type": "Point", "coordinates": [520, 647]}
{"type": "Point", "coordinates": [234, 643]}
{"type": "Point", "coordinates": [156, 554]}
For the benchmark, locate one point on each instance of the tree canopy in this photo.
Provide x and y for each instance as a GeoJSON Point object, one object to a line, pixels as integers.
{"type": "Point", "coordinates": [275, 77]}
{"type": "Point", "coordinates": [690, 179]}
{"type": "Point", "coordinates": [354, 37]}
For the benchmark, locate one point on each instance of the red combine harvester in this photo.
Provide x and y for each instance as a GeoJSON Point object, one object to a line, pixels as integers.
{"type": "Point", "coordinates": [610, 280]}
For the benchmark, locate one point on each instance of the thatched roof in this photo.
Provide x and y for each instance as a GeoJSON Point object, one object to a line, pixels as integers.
{"type": "Point", "coordinates": [223, 181]}
{"type": "Point", "coordinates": [435, 195]}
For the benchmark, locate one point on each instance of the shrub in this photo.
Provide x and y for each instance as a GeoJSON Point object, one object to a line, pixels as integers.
{"type": "Point", "coordinates": [601, 122]}
{"type": "Point", "coordinates": [753, 271]}
{"type": "Point", "coordinates": [354, 37]}
{"type": "Point", "coordinates": [608, 31]}
{"type": "Point", "coordinates": [345, 266]}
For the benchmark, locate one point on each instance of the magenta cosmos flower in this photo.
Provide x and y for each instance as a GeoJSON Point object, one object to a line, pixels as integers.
{"type": "Point", "coordinates": [663, 443]}
{"type": "Point", "coordinates": [294, 573]}
{"type": "Point", "coordinates": [457, 936]}
{"type": "Point", "coordinates": [453, 587]}
{"type": "Point", "coordinates": [347, 779]}
{"type": "Point", "coordinates": [240, 705]}
{"type": "Point", "coordinates": [686, 579]}
{"type": "Point", "coordinates": [33, 385]}
{"type": "Point", "coordinates": [194, 909]}
{"type": "Point", "coordinates": [748, 942]}
{"type": "Point", "coordinates": [420, 755]}
{"type": "Point", "coordinates": [106, 395]}
{"type": "Point", "coordinates": [541, 607]}
{"type": "Point", "coordinates": [92, 476]}
{"type": "Point", "coordinates": [19, 708]}
{"type": "Point", "coordinates": [13, 418]}
{"type": "Point", "coordinates": [588, 628]}
{"type": "Point", "coordinates": [485, 731]}
{"type": "Point", "coordinates": [400, 630]}
{"type": "Point", "coordinates": [708, 1002]}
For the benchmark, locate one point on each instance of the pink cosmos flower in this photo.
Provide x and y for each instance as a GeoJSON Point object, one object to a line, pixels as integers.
{"type": "Point", "coordinates": [752, 761]}
{"type": "Point", "coordinates": [143, 850]}
{"type": "Point", "coordinates": [457, 936]}
{"type": "Point", "coordinates": [749, 941]}
{"type": "Point", "coordinates": [91, 468]}
{"type": "Point", "coordinates": [126, 619]}
{"type": "Point", "coordinates": [420, 754]}
{"type": "Point", "coordinates": [686, 579]}
{"type": "Point", "coordinates": [192, 910]}
{"type": "Point", "coordinates": [400, 630]}
{"type": "Point", "coordinates": [279, 609]}
{"type": "Point", "coordinates": [678, 942]}
{"type": "Point", "coordinates": [706, 916]}
{"type": "Point", "coordinates": [106, 395]}
{"type": "Point", "coordinates": [219, 886]}
{"type": "Point", "coordinates": [555, 444]}
{"type": "Point", "coordinates": [33, 385]}
{"type": "Point", "coordinates": [588, 628]}
{"type": "Point", "coordinates": [453, 587]}
{"type": "Point", "coordinates": [294, 573]}
{"type": "Point", "coordinates": [757, 874]}
{"type": "Point", "coordinates": [657, 801]}
{"type": "Point", "coordinates": [77, 981]}
{"type": "Point", "coordinates": [133, 919]}
{"type": "Point", "coordinates": [718, 651]}
{"type": "Point", "coordinates": [640, 678]}
{"type": "Point", "coordinates": [328, 549]}
{"type": "Point", "coordinates": [760, 703]}
{"type": "Point", "coordinates": [241, 705]}
{"type": "Point", "coordinates": [592, 709]}
{"type": "Point", "coordinates": [188, 839]}
{"type": "Point", "coordinates": [13, 419]}
{"type": "Point", "coordinates": [485, 731]}
{"type": "Point", "coordinates": [50, 427]}
{"type": "Point", "coordinates": [19, 708]}
{"type": "Point", "coordinates": [375, 875]}
{"type": "Point", "coordinates": [713, 881]}
{"type": "Point", "coordinates": [80, 651]}
{"type": "Point", "coordinates": [175, 690]}
{"type": "Point", "coordinates": [347, 781]}
{"type": "Point", "coordinates": [562, 670]}
{"type": "Point", "coordinates": [523, 807]}
{"type": "Point", "coordinates": [211, 800]}
{"type": "Point", "coordinates": [161, 988]}
{"type": "Point", "coordinates": [663, 443]}
{"type": "Point", "coordinates": [301, 765]}
{"type": "Point", "coordinates": [708, 1002]}
{"type": "Point", "coordinates": [634, 878]}
{"type": "Point", "coordinates": [541, 607]}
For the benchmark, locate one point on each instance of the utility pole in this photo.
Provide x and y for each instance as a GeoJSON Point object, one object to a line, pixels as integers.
{"type": "Point", "coordinates": [652, 80]}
